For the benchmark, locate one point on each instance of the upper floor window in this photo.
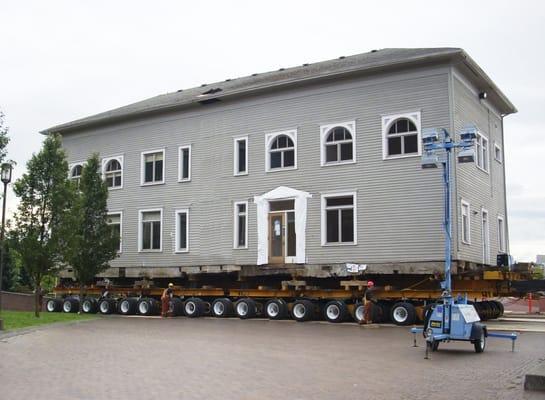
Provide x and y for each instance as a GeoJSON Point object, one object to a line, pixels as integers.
{"type": "Point", "coordinates": [114, 220]}
{"type": "Point", "coordinates": [184, 163]}
{"type": "Point", "coordinates": [153, 167]}
{"type": "Point", "coordinates": [481, 152]}
{"type": "Point", "coordinates": [338, 142]}
{"type": "Point", "coordinates": [497, 153]}
{"type": "Point", "coordinates": [113, 172]}
{"type": "Point", "coordinates": [150, 230]}
{"type": "Point", "coordinates": [182, 231]}
{"type": "Point", "coordinates": [281, 150]}
{"type": "Point", "coordinates": [240, 159]}
{"type": "Point", "coordinates": [401, 135]}
{"type": "Point", "coordinates": [339, 219]}
{"type": "Point", "coordinates": [501, 234]}
{"type": "Point", "coordinates": [75, 173]}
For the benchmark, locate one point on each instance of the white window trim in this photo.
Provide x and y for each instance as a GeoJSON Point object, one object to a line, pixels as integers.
{"type": "Point", "coordinates": [487, 170]}
{"type": "Point", "coordinates": [501, 246]}
{"type": "Point", "coordinates": [324, 130]}
{"type": "Point", "coordinates": [324, 219]}
{"type": "Point", "coordinates": [235, 155]}
{"type": "Point", "coordinates": [177, 233]}
{"type": "Point", "coordinates": [72, 166]}
{"type": "Point", "coordinates": [486, 258]}
{"type": "Point", "coordinates": [142, 167]}
{"type": "Point", "coordinates": [498, 147]}
{"type": "Point", "coordinates": [462, 204]}
{"type": "Point", "coordinates": [180, 179]}
{"type": "Point", "coordinates": [105, 161]}
{"type": "Point", "coordinates": [292, 134]}
{"type": "Point", "coordinates": [120, 213]}
{"type": "Point", "coordinates": [140, 238]}
{"type": "Point", "coordinates": [235, 226]}
{"type": "Point", "coordinates": [387, 121]}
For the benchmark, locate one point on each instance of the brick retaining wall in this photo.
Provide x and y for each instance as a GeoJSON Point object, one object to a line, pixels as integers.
{"type": "Point", "coordinates": [19, 301]}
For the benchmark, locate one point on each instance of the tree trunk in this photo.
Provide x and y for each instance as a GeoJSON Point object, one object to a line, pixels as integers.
{"type": "Point", "coordinates": [38, 302]}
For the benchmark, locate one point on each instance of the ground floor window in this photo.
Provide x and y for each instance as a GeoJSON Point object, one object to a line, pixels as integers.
{"type": "Point", "coordinates": [241, 225]}
{"type": "Point", "coordinates": [114, 220]}
{"type": "Point", "coordinates": [339, 219]}
{"type": "Point", "coordinates": [151, 230]}
{"type": "Point", "coordinates": [182, 231]}
{"type": "Point", "coordinates": [501, 234]}
{"type": "Point", "coordinates": [466, 222]}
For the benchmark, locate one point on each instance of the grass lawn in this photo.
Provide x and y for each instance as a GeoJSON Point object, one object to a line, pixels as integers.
{"type": "Point", "coordinates": [24, 319]}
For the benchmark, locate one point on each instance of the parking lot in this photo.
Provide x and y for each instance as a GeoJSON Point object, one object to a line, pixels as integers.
{"type": "Point", "coordinates": [145, 358]}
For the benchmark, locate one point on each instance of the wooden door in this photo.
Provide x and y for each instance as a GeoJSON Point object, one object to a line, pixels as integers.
{"type": "Point", "coordinates": [277, 240]}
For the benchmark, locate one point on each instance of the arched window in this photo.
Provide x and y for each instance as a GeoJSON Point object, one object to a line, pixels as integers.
{"type": "Point", "coordinates": [113, 173]}
{"type": "Point", "coordinates": [338, 145]}
{"type": "Point", "coordinates": [402, 137]}
{"type": "Point", "coordinates": [282, 152]}
{"type": "Point", "coordinates": [75, 173]}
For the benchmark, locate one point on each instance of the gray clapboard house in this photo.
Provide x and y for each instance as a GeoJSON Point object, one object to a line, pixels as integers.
{"type": "Point", "coordinates": [303, 169]}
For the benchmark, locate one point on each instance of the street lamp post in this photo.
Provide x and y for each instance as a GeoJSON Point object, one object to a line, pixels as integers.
{"type": "Point", "coordinates": [5, 176]}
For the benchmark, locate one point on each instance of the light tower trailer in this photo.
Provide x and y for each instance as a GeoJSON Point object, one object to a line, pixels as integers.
{"type": "Point", "coordinates": [451, 319]}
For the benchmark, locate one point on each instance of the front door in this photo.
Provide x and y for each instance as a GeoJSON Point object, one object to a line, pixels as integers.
{"type": "Point", "coordinates": [277, 240]}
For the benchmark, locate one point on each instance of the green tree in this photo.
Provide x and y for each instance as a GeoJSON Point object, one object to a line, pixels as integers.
{"type": "Point", "coordinates": [45, 196]}
{"type": "Point", "coordinates": [92, 241]}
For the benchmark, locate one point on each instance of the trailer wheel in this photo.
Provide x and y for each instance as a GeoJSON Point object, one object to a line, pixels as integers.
{"type": "Point", "coordinates": [70, 305]}
{"type": "Point", "coordinates": [193, 307]}
{"type": "Point", "coordinates": [53, 305]}
{"type": "Point", "coordinates": [359, 312]}
{"type": "Point", "coordinates": [89, 305]}
{"type": "Point", "coordinates": [107, 306]}
{"type": "Point", "coordinates": [480, 343]}
{"type": "Point", "coordinates": [148, 306]}
{"type": "Point", "coordinates": [435, 345]}
{"type": "Point", "coordinates": [302, 310]}
{"type": "Point", "coordinates": [177, 306]}
{"type": "Point", "coordinates": [499, 304]}
{"type": "Point", "coordinates": [403, 313]}
{"type": "Point", "coordinates": [222, 308]}
{"type": "Point", "coordinates": [127, 306]}
{"type": "Point", "coordinates": [246, 308]}
{"type": "Point", "coordinates": [276, 309]}
{"type": "Point", "coordinates": [335, 311]}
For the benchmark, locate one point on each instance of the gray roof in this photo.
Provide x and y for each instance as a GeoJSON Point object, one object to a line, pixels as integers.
{"type": "Point", "coordinates": [372, 62]}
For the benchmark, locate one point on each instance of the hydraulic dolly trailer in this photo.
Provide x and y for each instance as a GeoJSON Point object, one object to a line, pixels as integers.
{"type": "Point", "coordinates": [292, 299]}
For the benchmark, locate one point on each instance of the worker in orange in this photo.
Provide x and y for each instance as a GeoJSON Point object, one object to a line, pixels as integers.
{"type": "Point", "coordinates": [369, 301]}
{"type": "Point", "coordinates": [165, 300]}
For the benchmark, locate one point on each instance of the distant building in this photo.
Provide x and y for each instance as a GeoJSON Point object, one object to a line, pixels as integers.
{"type": "Point", "coordinates": [540, 259]}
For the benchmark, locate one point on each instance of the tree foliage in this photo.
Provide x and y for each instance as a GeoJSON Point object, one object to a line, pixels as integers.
{"type": "Point", "coordinates": [92, 243]}
{"type": "Point", "coordinates": [45, 196]}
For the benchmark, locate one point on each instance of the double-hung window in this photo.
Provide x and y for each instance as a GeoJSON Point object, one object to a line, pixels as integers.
{"type": "Point", "coordinates": [182, 231]}
{"type": "Point", "coordinates": [401, 135]}
{"type": "Point", "coordinates": [112, 170]}
{"type": "Point", "coordinates": [466, 222]}
{"type": "Point", "coordinates": [481, 152]}
{"type": "Point", "coordinates": [501, 234]}
{"type": "Point", "coordinates": [153, 167]}
{"type": "Point", "coordinates": [184, 163]}
{"type": "Point", "coordinates": [240, 159]}
{"type": "Point", "coordinates": [240, 240]}
{"type": "Point", "coordinates": [115, 220]}
{"type": "Point", "coordinates": [150, 230]}
{"type": "Point", "coordinates": [75, 173]}
{"type": "Point", "coordinates": [338, 143]}
{"type": "Point", "coordinates": [339, 219]}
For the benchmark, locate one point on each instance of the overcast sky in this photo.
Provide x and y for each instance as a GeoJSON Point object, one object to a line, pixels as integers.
{"type": "Point", "coordinates": [61, 60]}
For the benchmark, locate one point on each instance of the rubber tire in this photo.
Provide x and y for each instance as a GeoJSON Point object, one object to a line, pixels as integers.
{"type": "Point", "coordinates": [93, 305]}
{"type": "Point", "coordinates": [53, 305]}
{"type": "Point", "coordinates": [111, 304]}
{"type": "Point", "coordinates": [480, 345]}
{"type": "Point", "coordinates": [341, 310]}
{"type": "Point", "coordinates": [411, 314]}
{"type": "Point", "coordinates": [153, 306]}
{"type": "Point", "coordinates": [308, 310]}
{"type": "Point", "coordinates": [177, 306]}
{"type": "Point", "coordinates": [198, 309]}
{"type": "Point", "coordinates": [132, 302]}
{"type": "Point", "coordinates": [480, 310]}
{"type": "Point", "coordinates": [282, 309]}
{"type": "Point", "coordinates": [486, 310]}
{"type": "Point", "coordinates": [500, 307]}
{"type": "Point", "coordinates": [495, 309]}
{"type": "Point", "coordinates": [252, 308]}
{"type": "Point", "coordinates": [385, 309]}
{"type": "Point", "coordinates": [74, 305]}
{"type": "Point", "coordinates": [228, 308]}
{"type": "Point", "coordinates": [357, 306]}
{"type": "Point", "coordinates": [435, 345]}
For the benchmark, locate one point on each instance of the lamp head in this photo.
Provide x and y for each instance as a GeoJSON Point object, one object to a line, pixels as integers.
{"type": "Point", "coordinates": [429, 160]}
{"type": "Point", "coordinates": [468, 134]}
{"type": "Point", "coordinates": [5, 173]}
{"type": "Point", "coordinates": [466, 156]}
{"type": "Point", "coordinates": [429, 136]}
